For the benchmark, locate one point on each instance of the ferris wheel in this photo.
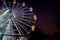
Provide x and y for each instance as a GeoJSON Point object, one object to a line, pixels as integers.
{"type": "Point", "coordinates": [16, 19]}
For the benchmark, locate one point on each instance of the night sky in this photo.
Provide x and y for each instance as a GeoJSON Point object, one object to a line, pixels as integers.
{"type": "Point", "coordinates": [48, 23]}
{"type": "Point", "coordinates": [48, 15]}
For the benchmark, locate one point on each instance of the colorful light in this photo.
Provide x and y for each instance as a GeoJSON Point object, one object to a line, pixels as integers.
{"type": "Point", "coordinates": [31, 9]}
{"type": "Point", "coordinates": [23, 4]}
{"type": "Point", "coordinates": [33, 28]}
{"type": "Point", "coordinates": [35, 17]}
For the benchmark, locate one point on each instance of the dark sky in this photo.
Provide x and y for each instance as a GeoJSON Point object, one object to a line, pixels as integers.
{"type": "Point", "coordinates": [48, 14]}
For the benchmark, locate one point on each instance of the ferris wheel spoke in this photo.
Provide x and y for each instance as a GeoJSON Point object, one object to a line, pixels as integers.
{"type": "Point", "coordinates": [3, 24]}
{"type": "Point", "coordinates": [23, 27]}
{"type": "Point", "coordinates": [28, 17]}
{"type": "Point", "coordinates": [17, 6]}
{"type": "Point", "coordinates": [12, 28]}
{"type": "Point", "coordinates": [26, 20]}
{"type": "Point", "coordinates": [23, 14]}
{"type": "Point", "coordinates": [23, 23]}
{"type": "Point", "coordinates": [16, 9]}
{"type": "Point", "coordinates": [23, 9]}
{"type": "Point", "coordinates": [16, 27]}
{"type": "Point", "coordinates": [13, 7]}
{"type": "Point", "coordinates": [3, 27]}
{"type": "Point", "coordinates": [27, 13]}
{"type": "Point", "coordinates": [8, 28]}
{"type": "Point", "coordinates": [19, 29]}
{"type": "Point", "coordinates": [5, 5]}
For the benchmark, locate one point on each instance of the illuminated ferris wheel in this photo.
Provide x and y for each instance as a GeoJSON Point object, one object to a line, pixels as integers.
{"type": "Point", "coordinates": [16, 19]}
